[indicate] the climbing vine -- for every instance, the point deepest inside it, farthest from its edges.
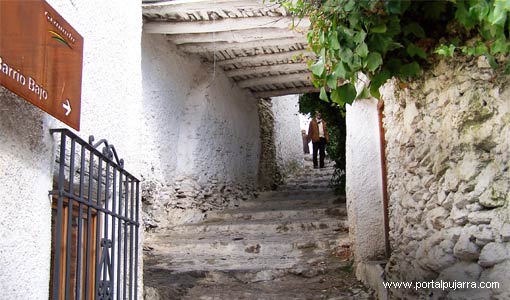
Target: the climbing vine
(382, 39)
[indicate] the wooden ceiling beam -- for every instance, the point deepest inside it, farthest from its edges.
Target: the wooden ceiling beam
(162, 27)
(284, 92)
(203, 10)
(281, 68)
(234, 36)
(279, 79)
(265, 59)
(260, 45)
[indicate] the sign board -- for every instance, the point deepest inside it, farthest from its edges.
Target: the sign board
(41, 58)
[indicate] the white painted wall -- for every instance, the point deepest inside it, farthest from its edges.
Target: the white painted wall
(111, 108)
(288, 141)
(363, 180)
(199, 123)
(25, 170)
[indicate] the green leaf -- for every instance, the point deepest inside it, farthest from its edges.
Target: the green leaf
(394, 6)
(318, 68)
(346, 55)
(323, 95)
(480, 49)
(322, 52)
(335, 97)
(347, 93)
(381, 28)
(498, 13)
(500, 46)
(462, 15)
(359, 37)
(415, 29)
(340, 70)
(332, 80)
(492, 61)
(362, 50)
(377, 81)
(504, 4)
(479, 10)
(409, 70)
(364, 93)
(380, 43)
(373, 61)
(445, 50)
(333, 41)
(414, 50)
(349, 6)
(321, 37)
(356, 63)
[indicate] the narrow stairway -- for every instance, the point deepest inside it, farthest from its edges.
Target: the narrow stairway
(288, 244)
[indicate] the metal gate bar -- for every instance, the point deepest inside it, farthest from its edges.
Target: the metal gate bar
(95, 241)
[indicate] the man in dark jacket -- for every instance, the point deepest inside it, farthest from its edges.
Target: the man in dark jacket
(318, 133)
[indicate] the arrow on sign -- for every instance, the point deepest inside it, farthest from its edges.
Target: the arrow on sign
(67, 107)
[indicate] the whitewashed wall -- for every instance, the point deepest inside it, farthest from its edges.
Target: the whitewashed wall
(364, 181)
(288, 141)
(111, 108)
(198, 122)
(201, 138)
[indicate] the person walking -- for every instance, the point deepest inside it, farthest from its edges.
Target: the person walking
(318, 133)
(306, 140)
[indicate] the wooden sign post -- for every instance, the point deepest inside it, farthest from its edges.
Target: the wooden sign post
(41, 58)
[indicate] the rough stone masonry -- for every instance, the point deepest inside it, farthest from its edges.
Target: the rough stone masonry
(448, 159)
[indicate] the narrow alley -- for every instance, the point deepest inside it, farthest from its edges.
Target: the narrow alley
(291, 243)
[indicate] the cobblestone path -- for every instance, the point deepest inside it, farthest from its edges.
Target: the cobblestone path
(288, 244)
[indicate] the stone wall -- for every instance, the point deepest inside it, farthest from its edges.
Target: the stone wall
(288, 141)
(448, 153)
(201, 137)
(269, 173)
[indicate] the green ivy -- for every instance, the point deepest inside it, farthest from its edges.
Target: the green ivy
(382, 39)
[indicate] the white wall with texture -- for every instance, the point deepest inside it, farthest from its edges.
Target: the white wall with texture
(111, 106)
(199, 123)
(288, 141)
(364, 181)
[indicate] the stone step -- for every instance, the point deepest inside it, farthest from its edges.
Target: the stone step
(305, 186)
(307, 180)
(254, 226)
(248, 256)
(277, 211)
(313, 175)
(296, 195)
(185, 263)
(274, 243)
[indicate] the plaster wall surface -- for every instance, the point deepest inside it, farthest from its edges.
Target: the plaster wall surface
(25, 168)
(199, 123)
(201, 139)
(363, 181)
(288, 141)
(111, 106)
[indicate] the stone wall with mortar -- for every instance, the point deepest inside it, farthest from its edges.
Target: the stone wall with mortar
(269, 172)
(202, 142)
(111, 106)
(448, 158)
(288, 141)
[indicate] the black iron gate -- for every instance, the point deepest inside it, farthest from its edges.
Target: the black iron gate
(95, 222)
